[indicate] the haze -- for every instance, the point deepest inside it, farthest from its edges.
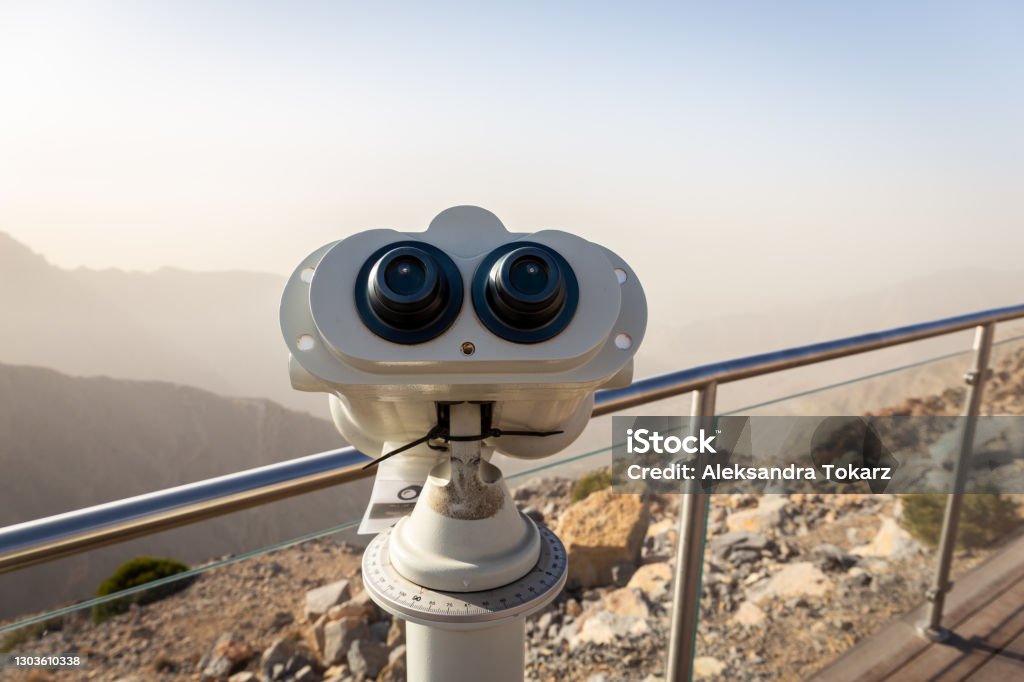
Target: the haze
(737, 154)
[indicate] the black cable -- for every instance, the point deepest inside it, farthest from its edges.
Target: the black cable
(440, 431)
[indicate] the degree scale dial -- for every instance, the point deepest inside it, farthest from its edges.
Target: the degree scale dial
(464, 610)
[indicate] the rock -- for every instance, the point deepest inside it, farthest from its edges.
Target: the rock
(307, 674)
(318, 632)
(535, 514)
(707, 666)
(832, 558)
(800, 579)
(766, 516)
(367, 658)
(738, 546)
(285, 657)
(652, 580)
(891, 543)
(360, 606)
(338, 638)
(573, 608)
(395, 670)
(379, 631)
(321, 599)
(245, 676)
(622, 571)
(749, 614)
(336, 673)
(228, 654)
(663, 528)
(396, 633)
(281, 619)
(599, 532)
(605, 627)
(627, 602)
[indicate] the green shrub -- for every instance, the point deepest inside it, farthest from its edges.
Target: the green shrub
(139, 571)
(985, 518)
(591, 483)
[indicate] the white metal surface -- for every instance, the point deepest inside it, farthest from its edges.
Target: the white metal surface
(384, 391)
(494, 654)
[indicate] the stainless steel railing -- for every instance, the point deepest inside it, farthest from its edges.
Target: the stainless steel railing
(27, 544)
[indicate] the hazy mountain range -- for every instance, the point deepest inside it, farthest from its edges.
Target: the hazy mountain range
(68, 442)
(217, 331)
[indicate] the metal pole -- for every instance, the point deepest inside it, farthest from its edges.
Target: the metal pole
(693, 521)
(975, 379)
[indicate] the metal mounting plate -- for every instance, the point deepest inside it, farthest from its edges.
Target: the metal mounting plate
(464, 610)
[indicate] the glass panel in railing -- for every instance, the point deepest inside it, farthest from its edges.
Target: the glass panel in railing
(272, 612)
(794, 582)
(46, 586)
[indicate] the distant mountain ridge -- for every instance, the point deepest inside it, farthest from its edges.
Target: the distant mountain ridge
(68, 442)
(217, 331)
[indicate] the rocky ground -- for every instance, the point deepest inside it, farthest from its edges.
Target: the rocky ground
(790, 582)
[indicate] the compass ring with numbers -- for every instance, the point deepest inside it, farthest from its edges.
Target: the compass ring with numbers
(418, 604)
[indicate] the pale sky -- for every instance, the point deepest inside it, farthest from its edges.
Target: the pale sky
(766, 151)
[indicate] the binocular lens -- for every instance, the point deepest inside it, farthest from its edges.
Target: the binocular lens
(529, 274)
(525, 292)
(526, 288)
(406, 275)
(409, 293)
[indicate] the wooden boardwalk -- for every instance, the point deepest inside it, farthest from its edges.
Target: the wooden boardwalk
(985, 612)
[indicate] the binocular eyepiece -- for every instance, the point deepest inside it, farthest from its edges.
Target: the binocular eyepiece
(411, 292)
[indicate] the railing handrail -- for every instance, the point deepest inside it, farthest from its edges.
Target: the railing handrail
(34, 542)
(686, 380)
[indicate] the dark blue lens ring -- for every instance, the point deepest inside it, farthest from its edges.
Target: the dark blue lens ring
(409, 292)
(525, 292)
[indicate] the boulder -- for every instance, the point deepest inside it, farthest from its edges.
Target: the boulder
(367, 658)
(395, 670)
(320, 600)
(338, 638)
(800, 579)
(829, 557)
(605, 627)
(360, 606)
(627, 602)
(396, 633)
(599, 532)
(766, 516)
(652, 580)
(738, 546)
(891, 543)
(285, 658)
(306, 674)
(706, 666)
(749, 614)
(228, 654)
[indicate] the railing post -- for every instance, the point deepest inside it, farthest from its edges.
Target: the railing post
(693, 521)
(932, 629)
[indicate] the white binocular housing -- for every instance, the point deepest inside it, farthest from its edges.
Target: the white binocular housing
(391, 323)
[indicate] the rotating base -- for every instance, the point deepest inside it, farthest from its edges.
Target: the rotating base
(464, 610)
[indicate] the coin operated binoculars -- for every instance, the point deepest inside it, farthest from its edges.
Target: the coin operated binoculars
(438, 349)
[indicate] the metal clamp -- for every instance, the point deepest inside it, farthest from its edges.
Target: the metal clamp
(976, 377)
